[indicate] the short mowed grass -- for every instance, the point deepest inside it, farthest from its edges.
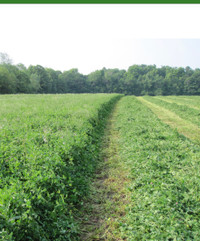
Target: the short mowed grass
(184, 110)
(164, 171)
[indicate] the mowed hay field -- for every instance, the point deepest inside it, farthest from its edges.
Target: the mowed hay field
(164, 169)
(51, 145)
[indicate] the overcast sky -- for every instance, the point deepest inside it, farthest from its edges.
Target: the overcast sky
(90, 37)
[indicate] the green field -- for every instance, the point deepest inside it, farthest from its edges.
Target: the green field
(190, 112)
(49, 148)
(52, 163)
(164, 173)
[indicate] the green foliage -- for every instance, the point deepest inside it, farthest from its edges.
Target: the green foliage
(54, 77)
(137, 80)
(22, 82)
(34, 83)
(7, 81)
(73, 82)
(192, 83)
(97, 81)
(165, 184)
(45, 83)
(49, 147)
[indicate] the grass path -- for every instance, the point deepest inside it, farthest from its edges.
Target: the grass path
(110, 196)
(184, 127)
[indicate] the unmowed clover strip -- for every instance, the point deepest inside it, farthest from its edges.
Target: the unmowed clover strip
(49, 147)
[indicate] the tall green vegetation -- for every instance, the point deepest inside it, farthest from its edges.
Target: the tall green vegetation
(137, 80)
(49, 147)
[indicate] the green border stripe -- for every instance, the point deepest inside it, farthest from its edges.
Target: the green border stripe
(100, 1)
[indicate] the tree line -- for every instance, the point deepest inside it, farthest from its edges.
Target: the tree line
(137, 80)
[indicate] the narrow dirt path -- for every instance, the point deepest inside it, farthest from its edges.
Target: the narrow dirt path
(183, 126)
(110, 195)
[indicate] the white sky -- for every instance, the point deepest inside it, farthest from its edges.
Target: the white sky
(90, 37)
